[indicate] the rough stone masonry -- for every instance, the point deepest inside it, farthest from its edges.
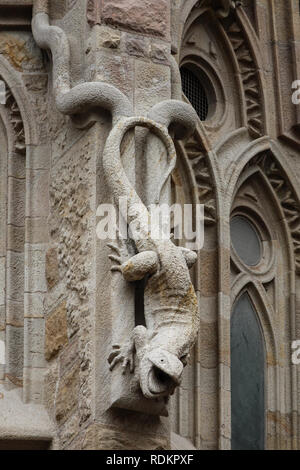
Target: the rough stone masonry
(131, 345)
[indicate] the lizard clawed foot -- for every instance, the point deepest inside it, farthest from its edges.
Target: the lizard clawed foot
(125, 355)
(116, 267)
(116, 258)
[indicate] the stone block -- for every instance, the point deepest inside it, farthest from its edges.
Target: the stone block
(34, 342)
(67, 394)
(136, 46)
(16, 201)
(104, 36)
(101, 437)
(69, 430)
(2, 280)
(36, 229)
(35, 277)
(69, 356)
(209, 344)
(15, 313)
(14, 353)
(152, 84)
(52, 271)
(114, 68)
(2, 318)
(209, 272)
(56, 331)
(33, 383)
(93, 12)
(149, 16)
(50, 386)
(16, 166)
(15, 276)
(160, 52)
(15, 238)
(38, 157)
(37, 192)
(34, 305)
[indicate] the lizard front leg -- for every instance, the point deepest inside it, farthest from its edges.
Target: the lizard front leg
(139, 265)
(126, 353)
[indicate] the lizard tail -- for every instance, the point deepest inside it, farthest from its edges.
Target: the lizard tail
(116, 178)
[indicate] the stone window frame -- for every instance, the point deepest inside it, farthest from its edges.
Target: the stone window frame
(25, 419)
(254, 280)
(254, 299)
(13, 238)
(212, 84)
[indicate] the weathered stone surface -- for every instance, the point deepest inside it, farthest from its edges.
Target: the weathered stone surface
(34, 342)
(138, 47)
(104, 36)
(52, 271)
(56, 331)
(93, 12)
(149, 16)
(59, 8)
(67, 394)
(21, 51)
(131, 51)
(69, 356)
(160, 52)
(209, 273)
(101, 437)
(50, 383)
(69, 430)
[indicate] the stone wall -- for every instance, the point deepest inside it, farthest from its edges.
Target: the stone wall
(58, 333)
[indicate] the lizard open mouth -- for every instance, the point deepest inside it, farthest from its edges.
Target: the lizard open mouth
(160, 373)
(160, 383)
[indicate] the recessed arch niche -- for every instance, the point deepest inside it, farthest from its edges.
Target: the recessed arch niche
(260, 295)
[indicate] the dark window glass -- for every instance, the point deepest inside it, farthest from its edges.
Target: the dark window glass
(247, 378)
(245, 240)
(195, 92)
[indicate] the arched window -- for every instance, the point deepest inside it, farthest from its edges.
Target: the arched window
(195, 92)
(247, 377)
(260, 318)
(12, 243)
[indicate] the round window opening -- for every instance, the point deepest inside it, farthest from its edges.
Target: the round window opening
(195, 92)
(245, 240)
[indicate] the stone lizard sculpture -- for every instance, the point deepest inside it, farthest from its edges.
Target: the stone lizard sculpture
(159, 352)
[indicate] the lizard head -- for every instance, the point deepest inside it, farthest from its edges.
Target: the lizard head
(160, 373)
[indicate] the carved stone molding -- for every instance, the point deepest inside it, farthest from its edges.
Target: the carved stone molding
(198, 159)
(250, 78)
(286, 196)
(16, 121)
(15, 14)
(221, 7)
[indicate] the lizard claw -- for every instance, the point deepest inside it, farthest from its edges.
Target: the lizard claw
(124, 355)
(114, 248)
(116, 267)
(128, 361)
(117, 259)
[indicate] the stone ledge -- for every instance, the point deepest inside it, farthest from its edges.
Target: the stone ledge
(181, 443)
(23, 422)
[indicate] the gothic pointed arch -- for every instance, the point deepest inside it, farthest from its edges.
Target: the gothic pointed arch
(267, 280)
(248, 359)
